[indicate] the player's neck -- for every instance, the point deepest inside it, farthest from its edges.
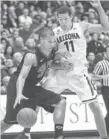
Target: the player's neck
(32, 50)
(68, 28)
(106, 56)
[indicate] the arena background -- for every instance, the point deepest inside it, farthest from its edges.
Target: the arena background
(79, 121)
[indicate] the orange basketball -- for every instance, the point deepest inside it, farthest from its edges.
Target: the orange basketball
(26, 117)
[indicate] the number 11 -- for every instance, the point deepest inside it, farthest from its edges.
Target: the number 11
(68, 44)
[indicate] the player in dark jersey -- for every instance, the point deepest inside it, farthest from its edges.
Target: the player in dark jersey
(23, 90)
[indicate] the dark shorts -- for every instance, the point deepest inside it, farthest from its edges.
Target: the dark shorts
(37, 95)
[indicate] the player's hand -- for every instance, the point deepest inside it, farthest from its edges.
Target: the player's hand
(67, 55)
(95, 3)
(68, 66)
(18, 100)
(64, 54)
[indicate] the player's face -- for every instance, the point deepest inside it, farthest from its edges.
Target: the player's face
(65, 21)
(47, 45)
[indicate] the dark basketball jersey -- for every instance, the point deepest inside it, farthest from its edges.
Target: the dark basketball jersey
(36, 73)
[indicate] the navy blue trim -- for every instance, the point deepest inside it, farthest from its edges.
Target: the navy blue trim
(90, 85)
(90, 99)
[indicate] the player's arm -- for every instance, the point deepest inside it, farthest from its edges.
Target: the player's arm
(57, 66)
(60, 60)
(28, 62)
(39, 27)
(99, 77)
(96, 75)
(104, 26)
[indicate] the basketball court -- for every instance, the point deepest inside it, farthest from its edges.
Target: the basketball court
(50, 136)
(79, 122)
(65, 138)
(38, 137)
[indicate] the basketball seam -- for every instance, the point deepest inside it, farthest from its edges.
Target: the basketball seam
(28, 116)
(23, 119)
(32, 116)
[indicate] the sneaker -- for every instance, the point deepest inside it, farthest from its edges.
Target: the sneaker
(22, 136)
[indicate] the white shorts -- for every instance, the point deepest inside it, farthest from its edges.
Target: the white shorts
(80, 84)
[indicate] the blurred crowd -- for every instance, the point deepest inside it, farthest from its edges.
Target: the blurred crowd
(23, 19)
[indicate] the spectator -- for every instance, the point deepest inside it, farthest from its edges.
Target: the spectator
(9, 52)
(38, 23)
(91, 16)
(19, 9)
(4, 22)
(76, 19)
(49, 24)
(19, 45)
(94, 21)
(14, 35)
(4, 10)
(12, 18)
(94, 45)
(98, 57)
(32, 11)
(25, 18)
(12, 70)
(26, 31)
(2, 56)
(5, 84)
(17, 57)
(54, 25)
(88, 38)
(4, 42)
(1, 28)
(84, 17)
(4, 34)
(91, 58)
(49, 12)
(7, 65)
(79, 10)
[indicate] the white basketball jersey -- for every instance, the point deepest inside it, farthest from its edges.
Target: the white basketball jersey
(73, 41)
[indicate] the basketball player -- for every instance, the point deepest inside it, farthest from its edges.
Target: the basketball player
(70, 37)
(23, 91)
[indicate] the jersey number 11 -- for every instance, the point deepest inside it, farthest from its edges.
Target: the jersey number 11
(69, 44)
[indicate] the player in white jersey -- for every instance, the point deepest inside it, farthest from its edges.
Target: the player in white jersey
(70, 37)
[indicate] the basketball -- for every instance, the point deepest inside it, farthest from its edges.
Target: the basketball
(59, 56)
(26, 117)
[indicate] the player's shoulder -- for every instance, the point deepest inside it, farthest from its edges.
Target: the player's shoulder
(78, 24)
(29, 57)
(83, 25)
(57, 30)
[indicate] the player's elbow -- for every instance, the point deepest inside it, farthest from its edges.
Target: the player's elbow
(21, 79)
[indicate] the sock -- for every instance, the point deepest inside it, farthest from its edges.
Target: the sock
(58, 130)
(26, 130)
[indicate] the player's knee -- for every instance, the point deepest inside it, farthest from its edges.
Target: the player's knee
(63, 102)
(95, 107)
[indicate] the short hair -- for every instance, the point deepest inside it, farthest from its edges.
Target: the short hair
(63, 10)
(28, 40)
(45, 32)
